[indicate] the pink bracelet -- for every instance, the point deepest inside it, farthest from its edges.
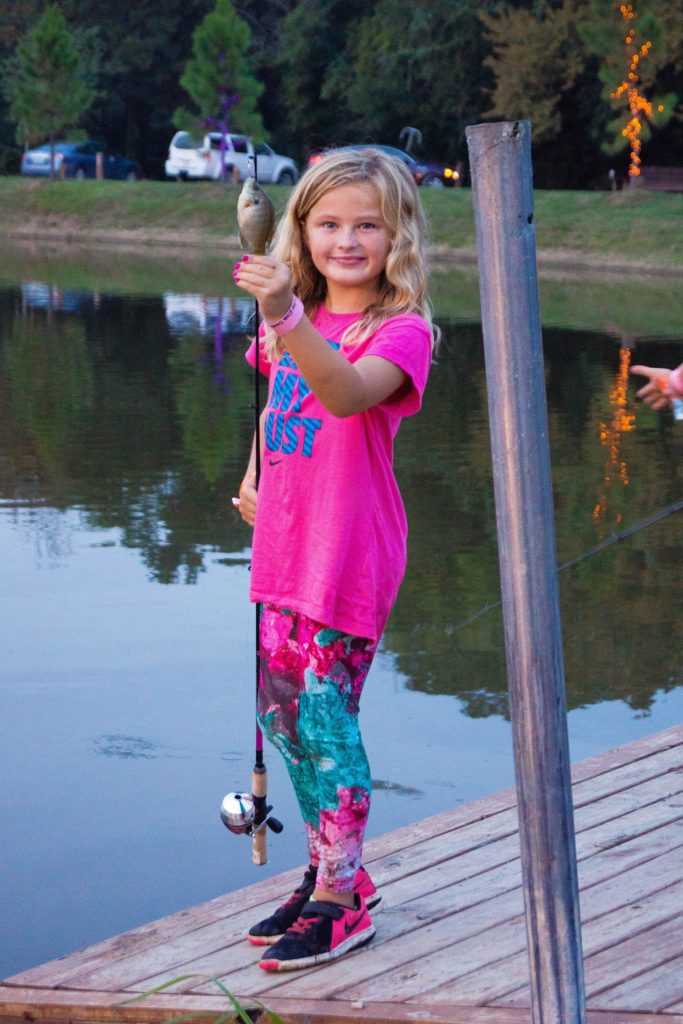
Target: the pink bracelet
(675, 382)
(291, 318)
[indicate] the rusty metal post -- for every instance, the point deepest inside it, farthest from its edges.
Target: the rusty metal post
(500, 165)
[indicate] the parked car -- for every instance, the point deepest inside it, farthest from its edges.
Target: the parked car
(79, 160)
(189, 159)
(428, 174)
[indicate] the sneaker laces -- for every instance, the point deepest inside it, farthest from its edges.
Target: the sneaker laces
(303, 924)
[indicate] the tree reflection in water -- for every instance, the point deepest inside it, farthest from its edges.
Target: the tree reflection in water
(145, 430)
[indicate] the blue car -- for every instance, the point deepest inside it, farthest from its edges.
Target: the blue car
(78, 160)
(429, 175)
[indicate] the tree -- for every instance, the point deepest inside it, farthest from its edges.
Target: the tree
(536, 59)
(217, 71)
(638, 53)
(566, 66)
(414, 64)
(313, 36)
(47, 81)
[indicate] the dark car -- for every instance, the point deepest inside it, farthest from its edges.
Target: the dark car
(427, 174)
(78, 160)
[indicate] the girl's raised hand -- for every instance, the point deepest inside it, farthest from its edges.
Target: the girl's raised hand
(268, 280)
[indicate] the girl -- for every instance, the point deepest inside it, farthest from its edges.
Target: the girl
(346, 344)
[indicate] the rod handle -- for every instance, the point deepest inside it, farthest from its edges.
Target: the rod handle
(259, 781)
(259, 850)
(259, 788)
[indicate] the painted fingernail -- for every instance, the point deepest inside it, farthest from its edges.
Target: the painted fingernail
(237, 266)
(245, 257)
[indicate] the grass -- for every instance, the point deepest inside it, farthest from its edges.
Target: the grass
(638, 229)
(193, 226)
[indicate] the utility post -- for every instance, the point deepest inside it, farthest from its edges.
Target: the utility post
(500, 166)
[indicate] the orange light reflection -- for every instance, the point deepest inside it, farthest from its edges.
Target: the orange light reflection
(623, 422)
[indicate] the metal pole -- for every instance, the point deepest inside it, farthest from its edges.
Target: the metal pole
(500, 163)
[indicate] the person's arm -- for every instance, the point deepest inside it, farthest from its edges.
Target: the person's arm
(248, 494)
(343, 388)
(662, 385)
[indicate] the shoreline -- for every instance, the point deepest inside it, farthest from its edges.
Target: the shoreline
(443, 257)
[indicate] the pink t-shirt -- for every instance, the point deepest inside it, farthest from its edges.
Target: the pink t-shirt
(330, 533)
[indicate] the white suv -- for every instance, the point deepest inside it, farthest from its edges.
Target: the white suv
(189, 159)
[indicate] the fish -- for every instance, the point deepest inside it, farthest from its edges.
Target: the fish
(255, 217)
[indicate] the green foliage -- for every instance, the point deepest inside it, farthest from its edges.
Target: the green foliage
(414, 65)
(537, 58)
(47, 80)
(652, 25)
(219, 69)
(324, 72)
(558, 64)
(313, 36)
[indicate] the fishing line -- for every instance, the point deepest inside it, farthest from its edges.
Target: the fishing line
(641, 524)
(243, 813)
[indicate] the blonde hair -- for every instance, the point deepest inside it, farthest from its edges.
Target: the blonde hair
(403, 282)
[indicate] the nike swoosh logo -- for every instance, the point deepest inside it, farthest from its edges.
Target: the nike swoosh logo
(274, 462)
(350, 925)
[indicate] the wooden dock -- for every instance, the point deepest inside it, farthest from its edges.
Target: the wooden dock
(450, 943)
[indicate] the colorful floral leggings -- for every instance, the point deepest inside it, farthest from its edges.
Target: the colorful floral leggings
(311, 681)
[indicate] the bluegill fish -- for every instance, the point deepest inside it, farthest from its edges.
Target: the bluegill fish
(255, 217)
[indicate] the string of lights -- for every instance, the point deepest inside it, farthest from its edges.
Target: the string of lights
(638, 105)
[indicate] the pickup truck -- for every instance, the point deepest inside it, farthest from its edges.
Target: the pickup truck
(190, 159)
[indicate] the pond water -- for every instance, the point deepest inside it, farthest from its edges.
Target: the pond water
(126, 633)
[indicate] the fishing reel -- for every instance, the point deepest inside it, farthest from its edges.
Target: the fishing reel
(245, 814)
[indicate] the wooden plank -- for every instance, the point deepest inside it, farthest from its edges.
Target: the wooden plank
(616, 852)
(473, 846)
(21, 1005)
(494, 980)
(402, 938)
(507, 940)
(59, 971)
(505, 974)
(204, 948)
(603, 939)
(652, 990)
(649, 948)
(271, 891)
(624, 776)
(400, 840)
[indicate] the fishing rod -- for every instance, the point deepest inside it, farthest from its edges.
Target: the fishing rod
(614, 538)
(242, 813)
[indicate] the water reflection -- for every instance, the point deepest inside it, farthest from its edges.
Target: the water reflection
(125, 424)
(623, 421)
(137, 412)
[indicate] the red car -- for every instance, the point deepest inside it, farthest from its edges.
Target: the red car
(427, 174)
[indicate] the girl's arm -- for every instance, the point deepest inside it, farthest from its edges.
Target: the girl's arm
(344, 388)
(248, 493)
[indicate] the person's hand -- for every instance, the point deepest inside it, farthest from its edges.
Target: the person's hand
(248, 498)
(269, 281)
(655, 392)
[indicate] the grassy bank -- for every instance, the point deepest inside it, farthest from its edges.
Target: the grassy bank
(574, 229)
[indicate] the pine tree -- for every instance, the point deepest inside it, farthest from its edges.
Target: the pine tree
(46, 81)
(217, 77)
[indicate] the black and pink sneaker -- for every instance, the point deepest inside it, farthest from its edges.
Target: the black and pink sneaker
(323, 932)
(272, 928)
